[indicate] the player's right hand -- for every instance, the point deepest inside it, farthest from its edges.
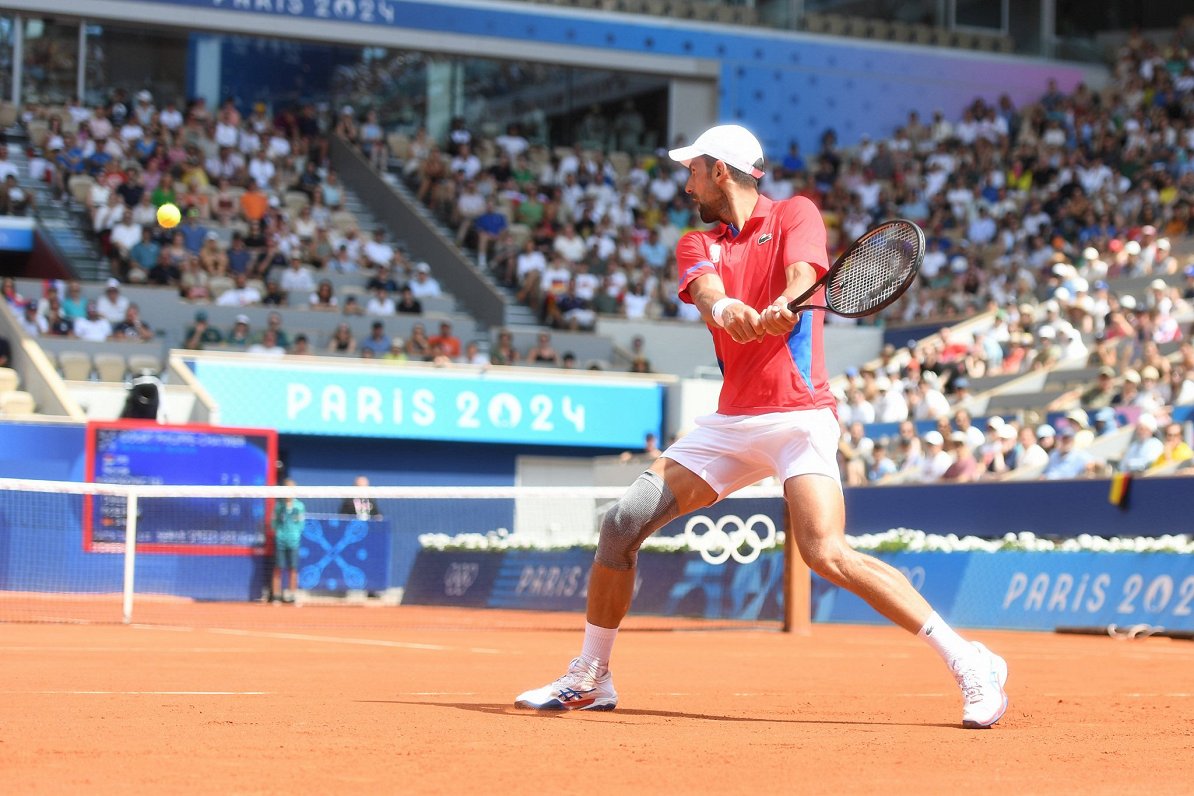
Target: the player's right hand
(743, 323)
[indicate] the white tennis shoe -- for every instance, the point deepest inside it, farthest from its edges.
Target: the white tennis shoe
(981, 678)
(584, 687)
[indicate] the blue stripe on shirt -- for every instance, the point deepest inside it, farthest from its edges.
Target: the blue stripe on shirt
(800, 346)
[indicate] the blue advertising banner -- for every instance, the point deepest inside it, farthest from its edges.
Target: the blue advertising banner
(340, 553)
(16, 234)
(1023, 591)
(393, 401)
(1051, 590)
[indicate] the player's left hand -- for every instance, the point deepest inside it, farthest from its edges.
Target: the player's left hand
(777, 318)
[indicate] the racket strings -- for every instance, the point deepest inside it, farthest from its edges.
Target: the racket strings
(877, 269)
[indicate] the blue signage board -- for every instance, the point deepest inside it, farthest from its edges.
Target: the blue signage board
(468, 406)
(16, 234)
(1023, 591)
(340, 553)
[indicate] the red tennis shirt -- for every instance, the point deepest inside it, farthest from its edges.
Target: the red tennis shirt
(778, 373)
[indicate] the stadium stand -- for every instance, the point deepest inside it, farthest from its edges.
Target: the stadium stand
(1060, 235)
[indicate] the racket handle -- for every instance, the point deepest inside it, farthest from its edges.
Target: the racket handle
(795, 303)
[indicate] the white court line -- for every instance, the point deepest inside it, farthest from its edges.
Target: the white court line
(130, 650)
(142, 693)
(364, 642)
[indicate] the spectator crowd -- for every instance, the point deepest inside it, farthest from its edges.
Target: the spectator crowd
(1033, 215)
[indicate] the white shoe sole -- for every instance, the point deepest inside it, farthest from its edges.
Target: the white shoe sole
(603, 703)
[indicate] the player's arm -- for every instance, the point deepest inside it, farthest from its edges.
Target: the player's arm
(739, 319)
(803, 238)
(701, 285)
(777, 318)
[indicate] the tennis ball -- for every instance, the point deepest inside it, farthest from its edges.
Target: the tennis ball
(169, 215)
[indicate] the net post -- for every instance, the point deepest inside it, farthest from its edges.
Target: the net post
(130, 554)
(797, 584)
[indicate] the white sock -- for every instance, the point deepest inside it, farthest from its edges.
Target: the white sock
(599, 644)
(943, 638)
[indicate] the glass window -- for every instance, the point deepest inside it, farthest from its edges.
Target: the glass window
(6, 35)
(51, 61)
(986, 14)
(132, 60)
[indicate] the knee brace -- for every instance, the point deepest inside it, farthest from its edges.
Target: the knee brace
(646, 507)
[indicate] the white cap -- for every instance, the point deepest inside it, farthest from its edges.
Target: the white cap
(114, 282)
(731, 143)
(1007, 431)
(934, 438)
(1157, 284)
(1090, 253)
(1132, 248)
(243, 319)
(1147, 421)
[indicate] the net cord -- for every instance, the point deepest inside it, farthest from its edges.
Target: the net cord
(379, 492)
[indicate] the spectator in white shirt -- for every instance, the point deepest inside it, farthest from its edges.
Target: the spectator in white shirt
(569, 245)
(377, 251)
(424, 284)
(297, 276)
(466, 163)
(170, 117)
(380, 303)
(935, 461)
(268, 346)
(112, 305)
(93, 326)
(7, 167)
(125, 235)
(261, 169)
(34, 324)
(933, 404)
(240, 295)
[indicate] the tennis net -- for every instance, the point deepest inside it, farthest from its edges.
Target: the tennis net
(81, 552)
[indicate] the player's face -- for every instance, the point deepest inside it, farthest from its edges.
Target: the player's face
(703, 188)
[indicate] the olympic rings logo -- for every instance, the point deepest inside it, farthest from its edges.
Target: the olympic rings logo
(719, 541)
(459, 577)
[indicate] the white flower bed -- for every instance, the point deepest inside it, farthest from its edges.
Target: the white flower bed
(894, 540)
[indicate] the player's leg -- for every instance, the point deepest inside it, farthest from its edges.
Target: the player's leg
(817, 514)
(665, 491)
(275, 593)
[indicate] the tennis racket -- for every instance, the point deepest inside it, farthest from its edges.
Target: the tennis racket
(872, 273)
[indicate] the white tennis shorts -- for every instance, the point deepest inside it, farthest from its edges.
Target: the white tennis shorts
(732, 451)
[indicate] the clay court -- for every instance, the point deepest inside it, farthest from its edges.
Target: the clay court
(268, 699)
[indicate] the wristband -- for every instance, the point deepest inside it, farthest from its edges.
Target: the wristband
(719, 308)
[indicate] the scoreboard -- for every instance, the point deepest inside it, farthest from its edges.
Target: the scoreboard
(141, 452)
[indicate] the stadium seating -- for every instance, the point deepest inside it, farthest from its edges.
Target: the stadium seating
(110, 366)
(17, 403)
(74, 365)
(9, 380)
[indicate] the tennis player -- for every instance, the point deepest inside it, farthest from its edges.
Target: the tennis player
(775, 417)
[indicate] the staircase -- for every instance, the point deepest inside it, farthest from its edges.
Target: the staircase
(517, 313)
(63, 221)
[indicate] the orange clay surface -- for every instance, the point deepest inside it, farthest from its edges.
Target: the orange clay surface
(255, 699)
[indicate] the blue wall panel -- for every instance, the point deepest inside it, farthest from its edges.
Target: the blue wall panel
(786, 86)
